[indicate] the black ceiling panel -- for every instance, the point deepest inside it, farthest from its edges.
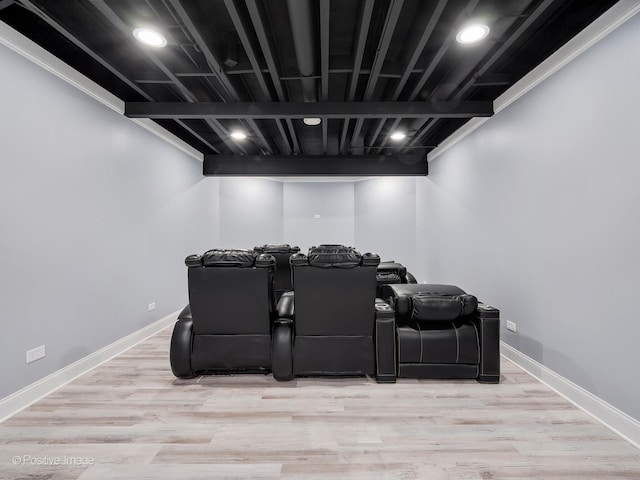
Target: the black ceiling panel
(364, 52)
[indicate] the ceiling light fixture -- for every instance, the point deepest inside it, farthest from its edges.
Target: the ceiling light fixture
(238, 135)
(397, 136)
(472, 33)
(150, 37)
(312, 121)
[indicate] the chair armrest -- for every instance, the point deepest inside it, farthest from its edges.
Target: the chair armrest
(385, 342)
(285, 308)
(185, 313)
(487, 320)
(180, 349)
(282, 349)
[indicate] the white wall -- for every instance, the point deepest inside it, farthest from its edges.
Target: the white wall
(537, 213)
(250, 212)
(385, 218)
(97, 216)
(332, 201)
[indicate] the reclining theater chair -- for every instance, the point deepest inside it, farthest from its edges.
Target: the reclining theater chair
(442, 332)
(327, 323)
(227, 325)
(282, 253)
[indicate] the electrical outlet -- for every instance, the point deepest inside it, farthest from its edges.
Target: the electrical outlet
(152, 306)
(316, 215)
(35, 354)
(511, 326)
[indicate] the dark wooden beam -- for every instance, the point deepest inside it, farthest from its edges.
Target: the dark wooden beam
(289, 110)
(310, 165)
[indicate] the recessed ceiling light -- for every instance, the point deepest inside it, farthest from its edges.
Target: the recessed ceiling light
(397, 136)
(472, 33)
(149, 37)
(238, 135)
(312, 121)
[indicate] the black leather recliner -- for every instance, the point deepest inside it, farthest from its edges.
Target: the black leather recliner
(442, 332)
(392, 273)
(227, 325)
(327, 325)
(282, 253)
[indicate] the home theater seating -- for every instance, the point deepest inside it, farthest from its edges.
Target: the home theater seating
(330, 312)
(330, 315)
(282, 253)
(226, 327)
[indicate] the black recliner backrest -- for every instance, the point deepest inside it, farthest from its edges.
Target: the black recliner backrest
(390, 273)
(282, 253)
(335, 291)
(231, 292)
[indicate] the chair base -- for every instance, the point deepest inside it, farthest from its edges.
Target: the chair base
(386, 378)
(437, 370)
(488, 379)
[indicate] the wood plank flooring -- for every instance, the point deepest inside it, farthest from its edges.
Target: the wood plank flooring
(130, 418)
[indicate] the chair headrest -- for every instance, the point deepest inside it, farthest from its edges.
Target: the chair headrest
(231, 258)
(334, 256)
(428, 307)
(392, 267)
(276, 248)
(430, 302)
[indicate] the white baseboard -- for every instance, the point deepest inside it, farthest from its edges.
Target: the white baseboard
(30, 394)
(619, 422)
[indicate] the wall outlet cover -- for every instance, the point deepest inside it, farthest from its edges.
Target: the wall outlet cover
(36, 354)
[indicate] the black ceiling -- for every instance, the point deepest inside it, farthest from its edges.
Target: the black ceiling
(366, 67)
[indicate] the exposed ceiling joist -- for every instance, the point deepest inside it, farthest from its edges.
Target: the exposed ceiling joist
(365, 68)
(267, 45)
(360, 43)
(393, 15)
(417, 45)
(110, 15)
(230, 93)
(423, 128)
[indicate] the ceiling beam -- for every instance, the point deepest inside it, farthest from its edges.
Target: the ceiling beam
(288, 110)
(46, 17)
(266, 44)
(360, 43)
(310, 165)
(435, 61)
(126, 30)
(393, 14)
(255, 64)
(325, 9)
(428, 125)
(416, 46)
(215, 66)
(444, 46)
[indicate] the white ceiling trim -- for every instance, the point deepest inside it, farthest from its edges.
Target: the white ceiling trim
(38, 55)
(600, 28)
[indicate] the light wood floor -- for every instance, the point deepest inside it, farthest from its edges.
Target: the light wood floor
(133, 419)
